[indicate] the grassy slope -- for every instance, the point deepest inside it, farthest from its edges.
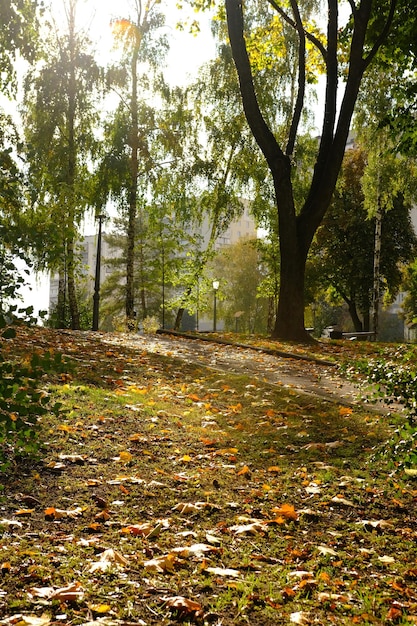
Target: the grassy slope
(168, 492)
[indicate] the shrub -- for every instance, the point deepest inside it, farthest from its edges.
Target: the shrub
(23, 401)
(396, 383)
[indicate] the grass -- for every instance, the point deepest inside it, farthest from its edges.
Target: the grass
(173, 493)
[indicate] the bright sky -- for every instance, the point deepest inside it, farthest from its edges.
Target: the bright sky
(187, 52)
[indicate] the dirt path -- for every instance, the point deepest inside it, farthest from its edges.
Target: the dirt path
(308, 377)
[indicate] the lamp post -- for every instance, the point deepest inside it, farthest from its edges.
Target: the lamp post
(96, 297)
(216, 285)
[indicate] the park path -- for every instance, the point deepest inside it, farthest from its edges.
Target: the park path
(302, 376)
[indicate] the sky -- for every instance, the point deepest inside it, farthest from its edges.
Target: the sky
(187, 53)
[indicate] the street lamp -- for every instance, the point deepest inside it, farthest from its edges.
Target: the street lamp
(96, 297)
(216, 285)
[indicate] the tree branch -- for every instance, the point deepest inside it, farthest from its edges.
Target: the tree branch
(260, 129)
(301, 80)
(314, 40)
(383, 35)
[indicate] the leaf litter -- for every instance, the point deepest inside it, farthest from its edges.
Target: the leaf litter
(158, 500)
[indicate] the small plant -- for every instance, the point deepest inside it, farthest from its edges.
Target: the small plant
(150, 325)
(22, 400)
(396, 384)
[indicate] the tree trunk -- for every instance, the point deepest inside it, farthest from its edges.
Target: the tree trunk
(61, 303)
(354, 316)
(72, 292)
(133, 193)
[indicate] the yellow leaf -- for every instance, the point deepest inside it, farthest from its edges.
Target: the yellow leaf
(274, 469)
(244, 471)
(186, 458)
(99, 608)
(125, 457)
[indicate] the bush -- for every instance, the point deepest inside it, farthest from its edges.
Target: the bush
(395, 383)
(22, 400)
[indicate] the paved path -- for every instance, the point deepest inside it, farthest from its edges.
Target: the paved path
(307, 377)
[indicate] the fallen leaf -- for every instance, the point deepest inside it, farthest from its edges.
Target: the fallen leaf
(248, 529)
(300, 617)
(343, 501)
(26, 620)
(161, 564)
(108, 559)
(386, 559)
(52, 513)
(219, 571)
(188, 507)
(286, 511)
(197, 549)
(325, 550)
(184, 606)
(71, 593)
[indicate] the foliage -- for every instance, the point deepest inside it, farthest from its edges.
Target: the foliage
(343, 253)
(409, 285)
(18, 37)
(60, 116)
(266, 24)
(239, 272)
(396, 384)
(23, 400)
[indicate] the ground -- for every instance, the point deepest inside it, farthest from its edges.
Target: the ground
(199, 483)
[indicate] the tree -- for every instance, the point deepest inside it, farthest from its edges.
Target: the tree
(238, 267)
(19, 33)
(347, 51)
(140, 44)
(343, 250)
(60, 115)
(409, 304)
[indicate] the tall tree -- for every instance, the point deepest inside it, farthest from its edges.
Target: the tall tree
(141, 43)
(60, 115)
(345, 50)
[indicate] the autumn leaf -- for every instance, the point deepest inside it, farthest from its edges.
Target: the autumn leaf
(274, 469)
(196, 549)
(345, 410)
(245, 471)
(253, 528)
(161, 564)
(24, 512)
(124, 457)
(51, 513)
(108, 559)
(227, 572)
(71, 593)
(184, 606)
(99, 609)
(187, 507)
(286, 511)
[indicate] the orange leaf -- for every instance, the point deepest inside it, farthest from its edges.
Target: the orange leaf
(286, 511)
(345, 410)
(244, 471)
(275, 469)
